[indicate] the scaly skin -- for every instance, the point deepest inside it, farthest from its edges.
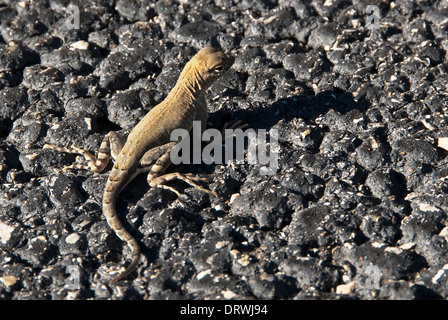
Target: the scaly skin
(183, 105)
(148, 145)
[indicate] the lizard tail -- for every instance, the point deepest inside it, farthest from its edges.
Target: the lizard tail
(114, 222)
(134, 262)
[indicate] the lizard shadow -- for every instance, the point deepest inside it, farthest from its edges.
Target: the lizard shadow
(334, 104)
(305, 106)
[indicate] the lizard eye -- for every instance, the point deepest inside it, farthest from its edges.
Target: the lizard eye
(218, 69)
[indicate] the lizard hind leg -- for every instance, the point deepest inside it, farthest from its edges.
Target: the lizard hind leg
(156, 178)
(191, 180)
(110, 147)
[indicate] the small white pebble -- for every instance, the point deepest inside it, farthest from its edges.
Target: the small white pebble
(233, 197)
(345, 288)
(72, 238)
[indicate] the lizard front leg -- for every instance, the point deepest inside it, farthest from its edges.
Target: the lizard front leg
(158, 159)
(110, 147)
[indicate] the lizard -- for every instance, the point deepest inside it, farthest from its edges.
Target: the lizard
(147, 148)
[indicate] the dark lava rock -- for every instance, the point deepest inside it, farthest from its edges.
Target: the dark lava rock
(305, 66)
(134, 10)
(371, 154)
(425, 221)
(114, 76)
(37, 251)
(384, 183)
(37, 77)
(272, 213)
(273, 287)
(73, 243)
(355, 210)
(197, 33)
(402, 290)
(414, 150)
(381, 225)
(323, 36)
(391, 264)
(310, 273)
(15, 57)
(305, 226)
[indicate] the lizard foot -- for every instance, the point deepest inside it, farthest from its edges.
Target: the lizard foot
(91, 159)
(109, 148)
(159, 182)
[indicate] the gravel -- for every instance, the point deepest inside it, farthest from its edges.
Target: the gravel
(356, 210)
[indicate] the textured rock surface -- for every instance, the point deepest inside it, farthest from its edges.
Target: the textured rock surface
(357, 209)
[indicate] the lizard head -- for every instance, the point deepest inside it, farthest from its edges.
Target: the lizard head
(210, 64)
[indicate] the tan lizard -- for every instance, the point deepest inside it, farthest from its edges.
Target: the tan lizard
(148, 145)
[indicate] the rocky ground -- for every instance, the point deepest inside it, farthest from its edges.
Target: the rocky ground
(356, 210)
